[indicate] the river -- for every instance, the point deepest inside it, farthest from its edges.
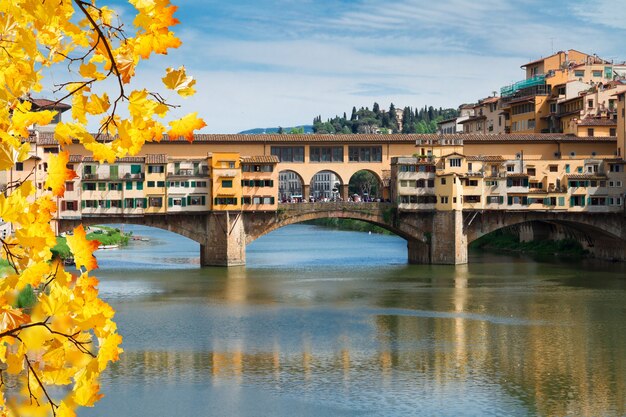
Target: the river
(335, 323)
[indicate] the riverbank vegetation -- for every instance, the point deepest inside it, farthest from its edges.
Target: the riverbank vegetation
(103, 234)
(349, 224)
(505, 241)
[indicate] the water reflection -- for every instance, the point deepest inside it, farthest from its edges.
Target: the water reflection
(500, 336)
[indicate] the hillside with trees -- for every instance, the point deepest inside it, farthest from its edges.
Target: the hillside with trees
(393, 120)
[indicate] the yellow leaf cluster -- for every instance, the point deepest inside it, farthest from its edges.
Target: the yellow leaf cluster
(67, 336)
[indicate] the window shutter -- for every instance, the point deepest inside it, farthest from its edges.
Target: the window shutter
(129, 185)
(82, 204)
(203, 199)
(509, 182)
(183, 202)
(500, 200)
(189, 200)
(108, 204)
(170, 202)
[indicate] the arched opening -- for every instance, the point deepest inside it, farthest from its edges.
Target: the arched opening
(290, 186)
(326, 186)
(365, 185)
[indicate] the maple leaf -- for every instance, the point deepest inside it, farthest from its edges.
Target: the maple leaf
(58, 173)
(12, 318)
(83, 249)
(179, 81)
(185, 127)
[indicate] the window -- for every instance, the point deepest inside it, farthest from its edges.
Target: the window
(102, 186)
(590, 131)
(150, 184)
(227, 183)
(19, 166)
(114, 171)
(579, 73)
(444, 200)
(523, 108)
(69, 186)
(156, 169)
(196, 200)
(115, 186)
(223, 201)
(89, 186)
(288, 153)
(135, 169)
(160, 184)
(116, 204)
(455, 162)
(531, 171)
(155, 202)
(129, 185)
(365, 153)
(140, 186)
(443, 181)
(596, 73)
(554, 168)
(510, 168)
(612, 132)
(326, 154)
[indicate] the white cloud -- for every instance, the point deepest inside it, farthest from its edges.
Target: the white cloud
(608, 13)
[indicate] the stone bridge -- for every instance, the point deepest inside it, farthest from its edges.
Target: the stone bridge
(433, 237)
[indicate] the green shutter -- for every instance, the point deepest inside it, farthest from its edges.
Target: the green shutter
(561, 201)
(525, 182)
(203, 199)
(509, 182)
(272, 200)
(500, 200)
(271, 183)
(571, 201)
(140, 186)
(189, 200)
(82, 204)
(183, 202)
(170, 202)
(193, 184)
(108, 204)
(129, 185)
(135, 169)
(145, 202)
(509, 201)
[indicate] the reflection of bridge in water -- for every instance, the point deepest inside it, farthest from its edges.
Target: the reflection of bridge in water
(433, 237)
(430, 343)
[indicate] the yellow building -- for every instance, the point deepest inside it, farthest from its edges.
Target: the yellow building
(155, 186)
(259, 180)
(226, 188)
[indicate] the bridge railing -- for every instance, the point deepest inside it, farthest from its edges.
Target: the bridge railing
(334, 206)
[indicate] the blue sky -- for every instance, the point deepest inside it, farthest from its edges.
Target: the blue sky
(263, 63)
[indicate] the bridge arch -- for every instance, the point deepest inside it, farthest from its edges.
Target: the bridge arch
(184, 225)
(366, 183)
(604, 236)
(290, 184)
(326, 184)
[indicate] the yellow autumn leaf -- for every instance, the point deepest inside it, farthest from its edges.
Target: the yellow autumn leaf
(98, 104)
(58, 173)
(12, 318)
(179, 81)
(185, 127)
(83, 249)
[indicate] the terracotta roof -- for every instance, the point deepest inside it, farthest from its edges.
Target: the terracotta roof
(262, 159)
(368, 138)
(447, 120)
(597, 122)
(514, 138)
(128, 159)
(529, 99)
(156, 159)
(586, 177)
(489, 100)
(75, 158)
(45, 104)
(473, 118)
(517, 175)
(486, 158)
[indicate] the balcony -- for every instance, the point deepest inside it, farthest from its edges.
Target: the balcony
(510, 90)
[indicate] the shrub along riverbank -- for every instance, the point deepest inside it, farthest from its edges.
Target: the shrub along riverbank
(104, 235)
(503, 241)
